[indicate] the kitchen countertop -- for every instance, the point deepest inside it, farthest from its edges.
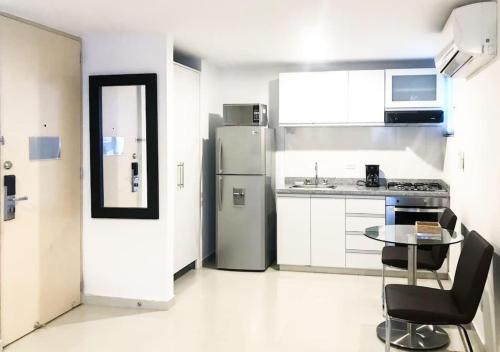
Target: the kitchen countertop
(347, 186)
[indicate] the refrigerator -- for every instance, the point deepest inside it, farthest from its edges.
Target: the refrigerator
(246, 214)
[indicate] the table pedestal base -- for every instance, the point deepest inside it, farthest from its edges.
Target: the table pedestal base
(414, 337)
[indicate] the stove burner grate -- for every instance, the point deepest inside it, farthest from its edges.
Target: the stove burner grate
(417, 186)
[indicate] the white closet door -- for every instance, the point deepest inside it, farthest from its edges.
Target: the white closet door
(187, 151)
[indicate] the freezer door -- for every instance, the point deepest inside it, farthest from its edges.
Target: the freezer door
(241, 223)
(241, 150)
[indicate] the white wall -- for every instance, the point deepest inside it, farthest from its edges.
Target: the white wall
(129, 258)
(415, 152)
(475, 191)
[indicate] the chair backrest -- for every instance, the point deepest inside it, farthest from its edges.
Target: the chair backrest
(447, 221)
(471, 274)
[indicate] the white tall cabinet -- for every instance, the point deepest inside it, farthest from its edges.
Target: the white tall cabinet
(187, 153)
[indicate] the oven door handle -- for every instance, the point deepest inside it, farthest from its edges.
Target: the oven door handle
(419, 210)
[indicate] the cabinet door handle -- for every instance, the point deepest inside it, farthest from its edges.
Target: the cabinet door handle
(419, 210)
(180, 175)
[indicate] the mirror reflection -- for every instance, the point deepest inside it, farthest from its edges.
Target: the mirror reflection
(124, 146)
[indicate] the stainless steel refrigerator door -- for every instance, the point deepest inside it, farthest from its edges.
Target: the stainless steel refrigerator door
(241, 222)
(241, 150)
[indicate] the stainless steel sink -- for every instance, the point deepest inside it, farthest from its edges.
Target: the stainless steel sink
(314, 186)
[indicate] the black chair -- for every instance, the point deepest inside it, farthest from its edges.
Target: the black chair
(458, 306)
(428, 257)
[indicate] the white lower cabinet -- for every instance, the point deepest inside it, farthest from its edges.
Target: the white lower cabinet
(361, 251)
(363, 260)
(360, 223)
(327, 232)
(359, 242)
(294, 230)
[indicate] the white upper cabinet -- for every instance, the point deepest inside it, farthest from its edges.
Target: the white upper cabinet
(307, 98)
(366, 97)
(413, 88)
(355, 97)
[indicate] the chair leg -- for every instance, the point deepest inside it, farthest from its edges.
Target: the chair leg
(469, 345)
(387, 331)
(437, 279)
(383, 288)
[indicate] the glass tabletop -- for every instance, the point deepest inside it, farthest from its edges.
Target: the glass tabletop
(407, 235)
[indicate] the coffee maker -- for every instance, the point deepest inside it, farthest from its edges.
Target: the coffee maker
(372, 176)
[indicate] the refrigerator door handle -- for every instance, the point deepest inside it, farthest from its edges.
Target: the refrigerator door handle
(220, 155)
(220, 193)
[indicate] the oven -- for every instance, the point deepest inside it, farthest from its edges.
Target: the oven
(406, 210)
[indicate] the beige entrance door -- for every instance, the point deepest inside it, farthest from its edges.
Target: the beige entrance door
(40, 96)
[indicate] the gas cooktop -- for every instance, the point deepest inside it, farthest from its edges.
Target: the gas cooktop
(417, 186)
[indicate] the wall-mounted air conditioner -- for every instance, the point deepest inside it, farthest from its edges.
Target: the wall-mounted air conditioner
(470, 35)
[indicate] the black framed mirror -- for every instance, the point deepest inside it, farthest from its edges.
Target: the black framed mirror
(123, 116)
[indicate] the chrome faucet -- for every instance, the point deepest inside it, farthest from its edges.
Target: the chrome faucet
(316, 178)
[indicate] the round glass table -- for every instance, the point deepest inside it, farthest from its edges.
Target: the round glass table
(405, 335)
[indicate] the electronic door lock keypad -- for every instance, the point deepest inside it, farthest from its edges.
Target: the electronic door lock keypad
(9, 205)
(10, 200)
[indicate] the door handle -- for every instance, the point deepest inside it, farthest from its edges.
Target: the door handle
(180, 175)
(220, 192)
(20, 199)
(220, 155)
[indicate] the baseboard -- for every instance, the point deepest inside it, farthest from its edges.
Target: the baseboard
(355, 271)
(185, 270)
(126, 302)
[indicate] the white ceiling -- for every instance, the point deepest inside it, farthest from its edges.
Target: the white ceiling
(231, 32)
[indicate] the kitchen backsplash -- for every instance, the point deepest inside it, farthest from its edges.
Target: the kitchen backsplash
(401, 152)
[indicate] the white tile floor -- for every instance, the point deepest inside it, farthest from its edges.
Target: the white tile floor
(227, 311)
